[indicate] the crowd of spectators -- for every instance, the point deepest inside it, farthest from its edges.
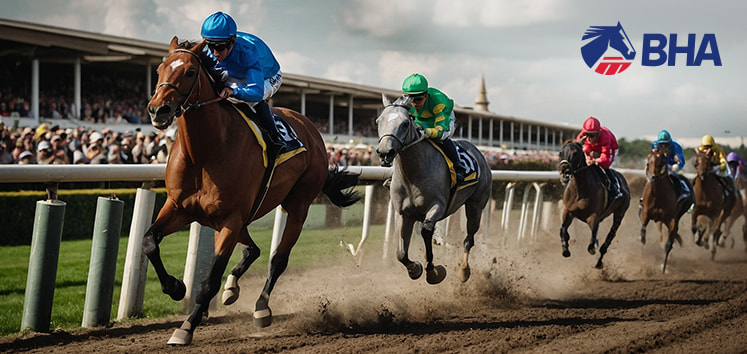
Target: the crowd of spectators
(47, 144)
(106, 96)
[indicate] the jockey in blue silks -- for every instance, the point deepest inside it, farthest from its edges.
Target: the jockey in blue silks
(675, 161)
(253, 72)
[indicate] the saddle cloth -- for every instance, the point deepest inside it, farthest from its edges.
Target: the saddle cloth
(466, 160)
(287, 133)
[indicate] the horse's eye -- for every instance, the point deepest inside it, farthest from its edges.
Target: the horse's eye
(191, 73)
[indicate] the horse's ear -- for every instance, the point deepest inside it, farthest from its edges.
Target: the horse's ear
(385, 100)
(199, 47)
(174, 44)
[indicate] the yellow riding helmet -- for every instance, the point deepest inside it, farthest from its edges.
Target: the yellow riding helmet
(707, 140)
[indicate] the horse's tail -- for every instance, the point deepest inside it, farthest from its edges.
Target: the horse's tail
(338, 187)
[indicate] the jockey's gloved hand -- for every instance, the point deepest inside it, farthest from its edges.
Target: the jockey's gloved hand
(715, 169)
(430, 132)
(590, 160)
(675, 168)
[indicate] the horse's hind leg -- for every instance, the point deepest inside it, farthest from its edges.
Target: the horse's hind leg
(248, 256)
(474, 216)
(278, 264)
(169, 220)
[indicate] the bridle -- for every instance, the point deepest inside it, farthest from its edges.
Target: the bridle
(662, 170)
(570, 169)
(412, 130)
(184, 106)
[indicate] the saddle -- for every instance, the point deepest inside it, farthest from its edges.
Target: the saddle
(466, 160)
(287, 133)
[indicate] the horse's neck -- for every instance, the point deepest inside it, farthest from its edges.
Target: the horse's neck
(204, 132)
(417, 163)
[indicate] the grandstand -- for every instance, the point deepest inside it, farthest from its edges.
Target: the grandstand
(76, 78)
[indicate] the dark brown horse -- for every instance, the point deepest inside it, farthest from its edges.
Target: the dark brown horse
(585, 198)
(712, 205)
(214, 176)
(660, 201)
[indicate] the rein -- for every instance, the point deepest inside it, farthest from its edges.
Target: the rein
(411, 129)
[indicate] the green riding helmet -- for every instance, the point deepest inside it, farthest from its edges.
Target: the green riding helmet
(415, 84)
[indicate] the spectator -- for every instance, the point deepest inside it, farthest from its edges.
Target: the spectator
(26, 158)
(44, 155)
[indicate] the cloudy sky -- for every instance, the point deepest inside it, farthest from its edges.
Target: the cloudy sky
(527, 51)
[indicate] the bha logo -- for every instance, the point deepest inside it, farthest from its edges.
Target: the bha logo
(608, 49)
(600, 40)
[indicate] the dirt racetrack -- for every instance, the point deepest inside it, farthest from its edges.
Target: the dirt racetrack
(522, 297)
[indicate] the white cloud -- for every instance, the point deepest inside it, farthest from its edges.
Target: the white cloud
(380, 18)
(497, 13)
(294, 62)
(691, 95)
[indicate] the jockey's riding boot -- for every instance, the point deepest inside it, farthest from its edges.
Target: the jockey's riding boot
(612, 183)
(451, 153)
(275, 145)
(680, 189)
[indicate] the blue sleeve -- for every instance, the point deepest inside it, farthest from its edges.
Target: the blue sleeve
(254, 88)
(679, 155)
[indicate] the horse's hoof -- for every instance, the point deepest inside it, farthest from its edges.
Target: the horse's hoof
(437, 275)
(643, 240)
(599, 265)
(180, 337)
(414, 270)
(263, 318)
(592, 250)
(566, 253)
(177, 289)
(464, 272)
(230, 296)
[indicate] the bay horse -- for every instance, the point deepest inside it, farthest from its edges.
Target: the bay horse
(586, 198)
(421, 187)
(712, 205)
(212, 177)
(659, 202)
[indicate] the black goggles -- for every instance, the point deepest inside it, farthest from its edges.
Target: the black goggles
(219, 46)
(418, 97)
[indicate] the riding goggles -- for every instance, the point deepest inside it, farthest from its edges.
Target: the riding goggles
(219, 46)
(418, 97)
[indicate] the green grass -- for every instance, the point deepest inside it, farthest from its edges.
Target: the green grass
(316, 246)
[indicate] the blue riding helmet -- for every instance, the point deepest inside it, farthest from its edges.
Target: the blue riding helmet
(218, 26)
(664, 137)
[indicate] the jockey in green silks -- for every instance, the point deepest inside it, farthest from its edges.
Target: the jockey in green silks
(434, 112)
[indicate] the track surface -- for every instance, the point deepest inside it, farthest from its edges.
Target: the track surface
(522, 297)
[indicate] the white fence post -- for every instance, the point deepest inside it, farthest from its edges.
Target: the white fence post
(136, 264)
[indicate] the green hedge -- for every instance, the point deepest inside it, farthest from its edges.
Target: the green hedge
(18, 210)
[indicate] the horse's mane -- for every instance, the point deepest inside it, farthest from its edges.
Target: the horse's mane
(404, 101)
(217, 77)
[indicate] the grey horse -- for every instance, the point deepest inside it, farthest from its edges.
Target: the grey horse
(421, 189)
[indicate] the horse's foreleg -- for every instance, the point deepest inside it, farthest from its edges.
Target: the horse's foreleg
(643, 230)
(593, 222)
(564, 236)
(169, 220)
(616, 221)
(672, 227)
(249, 254)
(414, 269)
(209, 287)
(278, 264)
(433, 274)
